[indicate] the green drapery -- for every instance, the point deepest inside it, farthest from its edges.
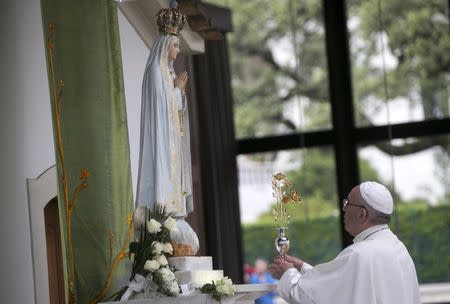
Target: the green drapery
(87, 58)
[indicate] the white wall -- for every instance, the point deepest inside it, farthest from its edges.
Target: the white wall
(26, 132)
(26, 139)
(134, 58)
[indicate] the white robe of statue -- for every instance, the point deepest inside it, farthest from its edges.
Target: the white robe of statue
(165, 158)
(376, 269)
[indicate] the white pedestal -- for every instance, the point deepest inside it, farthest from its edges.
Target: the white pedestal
(245, 294)
(248, 293)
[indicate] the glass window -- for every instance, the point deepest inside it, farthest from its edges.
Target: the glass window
(314, 223)
(408, 42)
(420, 182)
(278, 65)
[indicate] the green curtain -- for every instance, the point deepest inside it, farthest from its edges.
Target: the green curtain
(87, 58)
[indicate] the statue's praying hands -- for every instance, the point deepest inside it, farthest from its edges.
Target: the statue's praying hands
(181, 80)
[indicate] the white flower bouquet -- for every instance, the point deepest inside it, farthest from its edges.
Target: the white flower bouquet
(219, 288)
(148, 255)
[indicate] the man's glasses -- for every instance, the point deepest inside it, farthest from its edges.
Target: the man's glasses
(345, 202)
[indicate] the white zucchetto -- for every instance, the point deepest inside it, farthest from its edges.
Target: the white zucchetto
(377, 196)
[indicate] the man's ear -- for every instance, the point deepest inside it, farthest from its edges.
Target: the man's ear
(364, 216)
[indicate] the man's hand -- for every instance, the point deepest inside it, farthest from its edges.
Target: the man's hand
(295, 261)
(278, 267)
(180, 81)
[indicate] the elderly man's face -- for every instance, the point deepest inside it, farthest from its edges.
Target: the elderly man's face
(354, 212)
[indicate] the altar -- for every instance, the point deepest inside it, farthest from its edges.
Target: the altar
(245, 294)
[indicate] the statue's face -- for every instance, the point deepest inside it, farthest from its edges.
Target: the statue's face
(174, 49)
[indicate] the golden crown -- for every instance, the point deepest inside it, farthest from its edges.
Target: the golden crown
(170, 21)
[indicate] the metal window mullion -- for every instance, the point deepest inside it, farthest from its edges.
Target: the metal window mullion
(340, 88)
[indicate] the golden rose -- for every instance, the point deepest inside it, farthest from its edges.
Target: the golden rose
(295, 196)
(279, 176)
(84, 174)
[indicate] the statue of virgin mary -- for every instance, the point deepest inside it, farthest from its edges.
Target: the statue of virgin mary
(165, 158)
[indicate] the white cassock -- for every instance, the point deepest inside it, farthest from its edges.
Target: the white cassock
(376, 269)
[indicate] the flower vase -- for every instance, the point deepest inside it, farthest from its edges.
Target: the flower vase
(282, 242)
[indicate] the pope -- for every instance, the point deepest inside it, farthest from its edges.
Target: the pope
(376, 268)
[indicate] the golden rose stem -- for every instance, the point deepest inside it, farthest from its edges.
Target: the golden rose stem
(56, 109)
(71, 259)
(58, 124)
(120, 256)
(110, 247)
(281, 205)
(75, 195)
(70, 206)
(279, 212)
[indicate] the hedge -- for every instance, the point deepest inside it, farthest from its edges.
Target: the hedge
(426, 234)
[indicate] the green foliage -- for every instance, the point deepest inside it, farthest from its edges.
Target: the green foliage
(315, 240)
(418, 59)
(266, 84)
(424, 231)
(210, 288)
(263, 64)
(367, 172)
(318, 169)
(315, 179)
(442, 171)
(219, 288)
(263, 53)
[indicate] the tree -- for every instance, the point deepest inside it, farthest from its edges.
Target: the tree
(417, 61)
(315, 179)
(269, 83)
(270, 35)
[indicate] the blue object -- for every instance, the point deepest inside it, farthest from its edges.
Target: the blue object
(265, 279)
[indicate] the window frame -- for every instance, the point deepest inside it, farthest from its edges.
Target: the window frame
(345, 136)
